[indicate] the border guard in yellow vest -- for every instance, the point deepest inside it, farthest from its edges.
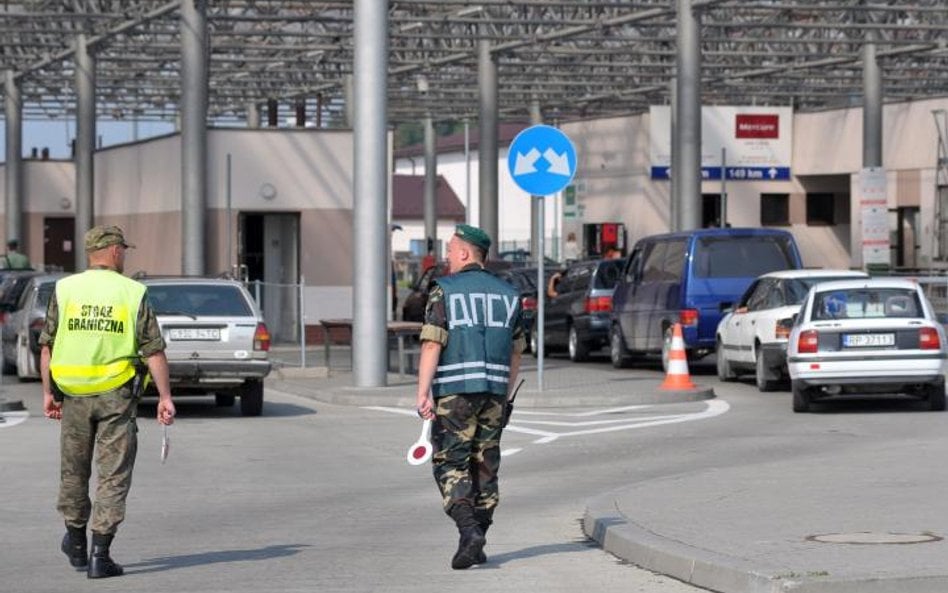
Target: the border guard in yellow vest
(99, 328)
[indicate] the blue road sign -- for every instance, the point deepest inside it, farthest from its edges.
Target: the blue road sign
(733, 173)
(541, 160)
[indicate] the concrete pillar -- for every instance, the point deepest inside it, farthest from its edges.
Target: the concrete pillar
(194, 60)
(431, 189)
(85, 146)
(370, 262)
(300, 106)
(688, 123)
(872, 108)
(536, 117)
(253, 115)
(14, 198)
(487, 153)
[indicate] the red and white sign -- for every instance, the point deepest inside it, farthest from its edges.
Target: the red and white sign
(756, 126)
(873, 207)
(759, 137)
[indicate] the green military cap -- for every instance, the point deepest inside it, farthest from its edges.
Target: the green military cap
(473, 235)
(102, 236)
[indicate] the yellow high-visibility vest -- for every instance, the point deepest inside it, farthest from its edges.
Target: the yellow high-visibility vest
(95, 347)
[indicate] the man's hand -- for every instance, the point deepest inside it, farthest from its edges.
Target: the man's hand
(425, 406)
(166, 411)
(51, 408)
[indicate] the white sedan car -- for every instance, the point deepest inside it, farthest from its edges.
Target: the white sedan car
(753, 337)
(875, 336)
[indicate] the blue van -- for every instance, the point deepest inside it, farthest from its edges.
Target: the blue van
(690, 277)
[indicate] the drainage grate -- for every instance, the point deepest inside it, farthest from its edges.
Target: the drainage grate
(874, 537)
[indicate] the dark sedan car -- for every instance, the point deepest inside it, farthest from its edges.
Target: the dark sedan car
(578, 316)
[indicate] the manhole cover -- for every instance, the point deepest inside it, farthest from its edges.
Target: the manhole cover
(874, 537)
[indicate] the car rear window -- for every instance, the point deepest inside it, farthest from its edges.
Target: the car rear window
(864, 303)
(608, 274)
(199, 300)
(797, 288)
(742, 257)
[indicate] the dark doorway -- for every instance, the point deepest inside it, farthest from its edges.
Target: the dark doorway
(59, 246)
(711, 211)
(269, 246)
(906, 237)
(250, 232)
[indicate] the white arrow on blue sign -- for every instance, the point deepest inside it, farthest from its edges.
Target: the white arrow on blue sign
(541, 160)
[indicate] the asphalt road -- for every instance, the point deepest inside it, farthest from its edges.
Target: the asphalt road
(316, 497)
(312, 497)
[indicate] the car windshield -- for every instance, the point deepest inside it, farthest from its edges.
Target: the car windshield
(798, 287)
(608, 274)
(863, 303)
(198, 300)
(737, 257)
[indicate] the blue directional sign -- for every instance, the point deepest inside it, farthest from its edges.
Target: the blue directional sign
(542, 160)
(733, 173)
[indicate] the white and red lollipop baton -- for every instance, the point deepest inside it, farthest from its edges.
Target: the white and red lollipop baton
(420, 452)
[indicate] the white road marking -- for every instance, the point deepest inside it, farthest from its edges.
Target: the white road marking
(13, 418)
(713, 408)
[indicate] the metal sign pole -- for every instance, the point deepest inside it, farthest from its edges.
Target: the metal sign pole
(541, 292)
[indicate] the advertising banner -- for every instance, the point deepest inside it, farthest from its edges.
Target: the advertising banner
(758, 142)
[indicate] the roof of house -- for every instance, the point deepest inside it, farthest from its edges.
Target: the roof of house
(408, 199)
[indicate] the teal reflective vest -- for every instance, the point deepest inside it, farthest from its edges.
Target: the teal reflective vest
(482, 312)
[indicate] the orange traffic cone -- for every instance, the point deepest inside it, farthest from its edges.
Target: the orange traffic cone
(677, 377)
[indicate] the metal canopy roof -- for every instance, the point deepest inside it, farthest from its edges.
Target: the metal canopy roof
(578, 58)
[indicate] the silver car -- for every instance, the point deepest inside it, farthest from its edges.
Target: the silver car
(23, 325)
(216, 339)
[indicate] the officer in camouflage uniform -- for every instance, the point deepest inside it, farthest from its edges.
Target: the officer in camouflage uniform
(472, 341)
(98, 328)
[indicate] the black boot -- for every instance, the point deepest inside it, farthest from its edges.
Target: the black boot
(471, 543)
(75, 546)
(470, 548)
(483, 517)
(101, 565)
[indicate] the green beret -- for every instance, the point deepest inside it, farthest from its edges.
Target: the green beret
(100, 237)
(473, 235)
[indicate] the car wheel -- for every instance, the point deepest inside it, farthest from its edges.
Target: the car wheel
(936, 396)
(578, 350)
(725, 373)
(617, 352)
(224, 400)
(801, 397)
(251, 398)
(534, 347)
(763, 374)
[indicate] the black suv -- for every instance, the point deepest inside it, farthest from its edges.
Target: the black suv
(577, 317)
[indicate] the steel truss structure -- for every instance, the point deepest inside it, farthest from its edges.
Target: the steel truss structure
(576, 58)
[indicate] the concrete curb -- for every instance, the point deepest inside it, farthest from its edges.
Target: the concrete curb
(401, 393)
(616, 534)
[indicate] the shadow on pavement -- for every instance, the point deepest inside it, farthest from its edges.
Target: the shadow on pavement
(495, 560)
(205, 558)
(188, 407)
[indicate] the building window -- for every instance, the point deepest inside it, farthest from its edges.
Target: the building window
(820, 209)
(774, 209)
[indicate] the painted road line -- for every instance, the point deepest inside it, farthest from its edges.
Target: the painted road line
(13, 418)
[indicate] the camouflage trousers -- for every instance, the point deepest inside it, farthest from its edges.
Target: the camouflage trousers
(466, 442)
(101, 427)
